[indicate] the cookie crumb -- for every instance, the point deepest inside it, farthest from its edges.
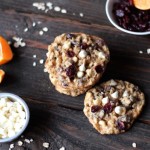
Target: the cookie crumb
(62, 148)
(134, 145)
(148, 51)
(20, 143)
(46, 145)
(141, 52)
(57, 8)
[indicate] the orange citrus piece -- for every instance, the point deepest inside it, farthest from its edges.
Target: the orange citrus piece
(5, 51)
(142, 4)
(2, 74)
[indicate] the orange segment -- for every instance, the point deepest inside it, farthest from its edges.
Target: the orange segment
(142, 4)
(2, 74)
(5, 51)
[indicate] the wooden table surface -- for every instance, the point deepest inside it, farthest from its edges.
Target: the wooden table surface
(57, 118)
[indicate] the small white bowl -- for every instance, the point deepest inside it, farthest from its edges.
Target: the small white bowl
(14, 97)
(111, 17)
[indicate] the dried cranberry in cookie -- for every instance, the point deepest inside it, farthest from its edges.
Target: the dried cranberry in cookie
(82, 59)
(113, 106)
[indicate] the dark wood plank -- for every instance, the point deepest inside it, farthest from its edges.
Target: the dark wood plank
(56, 118)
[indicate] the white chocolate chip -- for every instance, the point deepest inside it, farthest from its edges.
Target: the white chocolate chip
(134, 145)
(102, 123)
(120, 110)
(62, 148)
(125, 93)
(46, 145)
(66, 45)
(82, 53)
(80, 74)
(101, 55)
(75, 59)
(82, 67)
(105, 100)
(114, 95)
(113, 83)
(20, 143)
(101, 114)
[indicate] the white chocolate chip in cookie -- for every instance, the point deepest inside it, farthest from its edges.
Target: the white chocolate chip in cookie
(120, 110)
(114, 95)
(66, 45)
(113, 83)
(105, 100)
(82, 67)
(102, 123)
(125, 94)
(80, 74)
(82, 53)
(75, 59)
(101, 55)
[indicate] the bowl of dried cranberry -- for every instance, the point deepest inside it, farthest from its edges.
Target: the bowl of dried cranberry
(127, 18)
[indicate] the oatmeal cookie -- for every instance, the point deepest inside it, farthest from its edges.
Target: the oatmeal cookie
(75, 62)
(113, 106)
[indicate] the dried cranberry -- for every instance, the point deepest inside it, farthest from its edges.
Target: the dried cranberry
(95, 108)
(70, 36)
(71, 71)
(131, 18)
(108, 108)
(70, 53)
(120, 125)
(84, 46)
(99, 68)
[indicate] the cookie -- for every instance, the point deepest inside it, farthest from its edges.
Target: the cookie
(75, 62)
(113, 106)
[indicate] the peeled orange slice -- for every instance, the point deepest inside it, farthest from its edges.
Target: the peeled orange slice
(5, 51)
(2, 74)
(142, 4)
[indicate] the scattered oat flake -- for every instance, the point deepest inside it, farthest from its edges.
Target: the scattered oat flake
(20, 143)
(57, 8)
(46, 145)
(81, 14)
(11, 146)
(45, 29)
(26, 29)
(62, 148)
(134, 145)
(41, 32)
(141, 52)
(148, 51)
(34, 56)
(41, 61)
(34, 64)
(64, 11)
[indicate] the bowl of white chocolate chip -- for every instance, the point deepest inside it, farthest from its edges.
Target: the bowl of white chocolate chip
(14, 117)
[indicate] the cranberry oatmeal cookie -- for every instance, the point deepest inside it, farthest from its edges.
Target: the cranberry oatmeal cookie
(113, 106)
(75, 62)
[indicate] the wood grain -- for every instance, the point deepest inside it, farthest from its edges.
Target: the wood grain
(56, 118)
